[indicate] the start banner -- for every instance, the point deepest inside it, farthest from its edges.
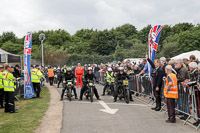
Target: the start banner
(28, 87)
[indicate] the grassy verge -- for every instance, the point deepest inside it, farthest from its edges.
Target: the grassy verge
(29, 117)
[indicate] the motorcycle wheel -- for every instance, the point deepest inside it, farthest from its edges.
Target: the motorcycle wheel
(91, 94)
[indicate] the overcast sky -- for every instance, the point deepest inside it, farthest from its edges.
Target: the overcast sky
(22, 16)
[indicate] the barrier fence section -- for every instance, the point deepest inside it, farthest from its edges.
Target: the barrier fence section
(187, 105)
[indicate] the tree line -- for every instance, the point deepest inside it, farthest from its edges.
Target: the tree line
(96, 46)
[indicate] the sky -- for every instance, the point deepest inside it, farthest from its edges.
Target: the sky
(22, 16)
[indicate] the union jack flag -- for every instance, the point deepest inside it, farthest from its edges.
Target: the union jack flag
(154, 36)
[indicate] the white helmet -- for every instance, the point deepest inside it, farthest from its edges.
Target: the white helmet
(54, 68)
(109, 69)
(89, 68)
(121, 69)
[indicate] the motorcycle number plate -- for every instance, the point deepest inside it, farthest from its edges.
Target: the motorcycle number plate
(125, 82)
(91, 84)
(69, 83)
(112, 80)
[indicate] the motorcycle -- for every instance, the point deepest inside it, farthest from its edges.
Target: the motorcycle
(123, 90)
(89, 93)
(110, 88)
(68, 85)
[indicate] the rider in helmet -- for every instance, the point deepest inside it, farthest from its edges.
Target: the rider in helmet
(69, 76)
(121, 76)
(109, 74)
(89, 75)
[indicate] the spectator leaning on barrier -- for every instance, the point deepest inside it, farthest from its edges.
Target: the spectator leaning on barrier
(194, 77)
(182, 75)
(157, 84)
(9, 89)
(1, 86)
(145, 69)
(198, 97)
(171, 93)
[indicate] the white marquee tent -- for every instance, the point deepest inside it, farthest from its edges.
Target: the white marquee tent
(187, 55)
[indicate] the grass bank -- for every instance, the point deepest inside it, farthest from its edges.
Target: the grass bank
(31, 112)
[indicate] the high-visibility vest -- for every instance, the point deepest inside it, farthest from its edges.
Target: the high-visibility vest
(8, 81)
(50, 73)
(109, 76)
(36, 75)
(1, 80)
(173, 91)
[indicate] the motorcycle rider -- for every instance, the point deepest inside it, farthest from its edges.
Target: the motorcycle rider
(121, 76)
(69, 76)
(109, 74)
(89, 76)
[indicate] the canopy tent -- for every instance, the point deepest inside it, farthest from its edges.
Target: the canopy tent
(6, 57)
(187, 55)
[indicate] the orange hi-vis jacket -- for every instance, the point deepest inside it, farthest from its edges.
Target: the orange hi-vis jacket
(79, 71)
(173, 91)
(50, 73)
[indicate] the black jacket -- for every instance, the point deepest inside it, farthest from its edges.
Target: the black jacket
(69, 77)
(122, 76)
(159, 74)
(16, 73)
(182, 74)
(90, 76)
(194, 75)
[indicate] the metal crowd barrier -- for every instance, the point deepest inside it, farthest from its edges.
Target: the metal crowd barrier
(188, 103)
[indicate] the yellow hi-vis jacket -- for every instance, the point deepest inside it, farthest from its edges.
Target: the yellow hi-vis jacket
(8, 81)
(109, 76)
(1, 80)
(36, 75)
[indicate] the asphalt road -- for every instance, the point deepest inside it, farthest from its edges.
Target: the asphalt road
(135, 117)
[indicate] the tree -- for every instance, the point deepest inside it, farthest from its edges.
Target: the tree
(13, 47)
(8, 36)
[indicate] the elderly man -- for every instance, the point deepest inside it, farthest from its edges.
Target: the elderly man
(197, 91)
(171, 93)
(182, 75)
(194, 77)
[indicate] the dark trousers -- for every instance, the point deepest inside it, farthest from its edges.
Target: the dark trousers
(51, 80)
(116, 93)
(197, 95)
(1, 97)
(37, 89)
(60, 81)
(10, 101)
(171, 109)
(158, 97)
(104, 89)
(64, 89)
(83, 89)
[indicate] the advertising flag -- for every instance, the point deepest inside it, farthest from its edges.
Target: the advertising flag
(28, 87)
(153, 39)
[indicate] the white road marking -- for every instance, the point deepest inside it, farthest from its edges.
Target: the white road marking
(85, 102)
(107, 108)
